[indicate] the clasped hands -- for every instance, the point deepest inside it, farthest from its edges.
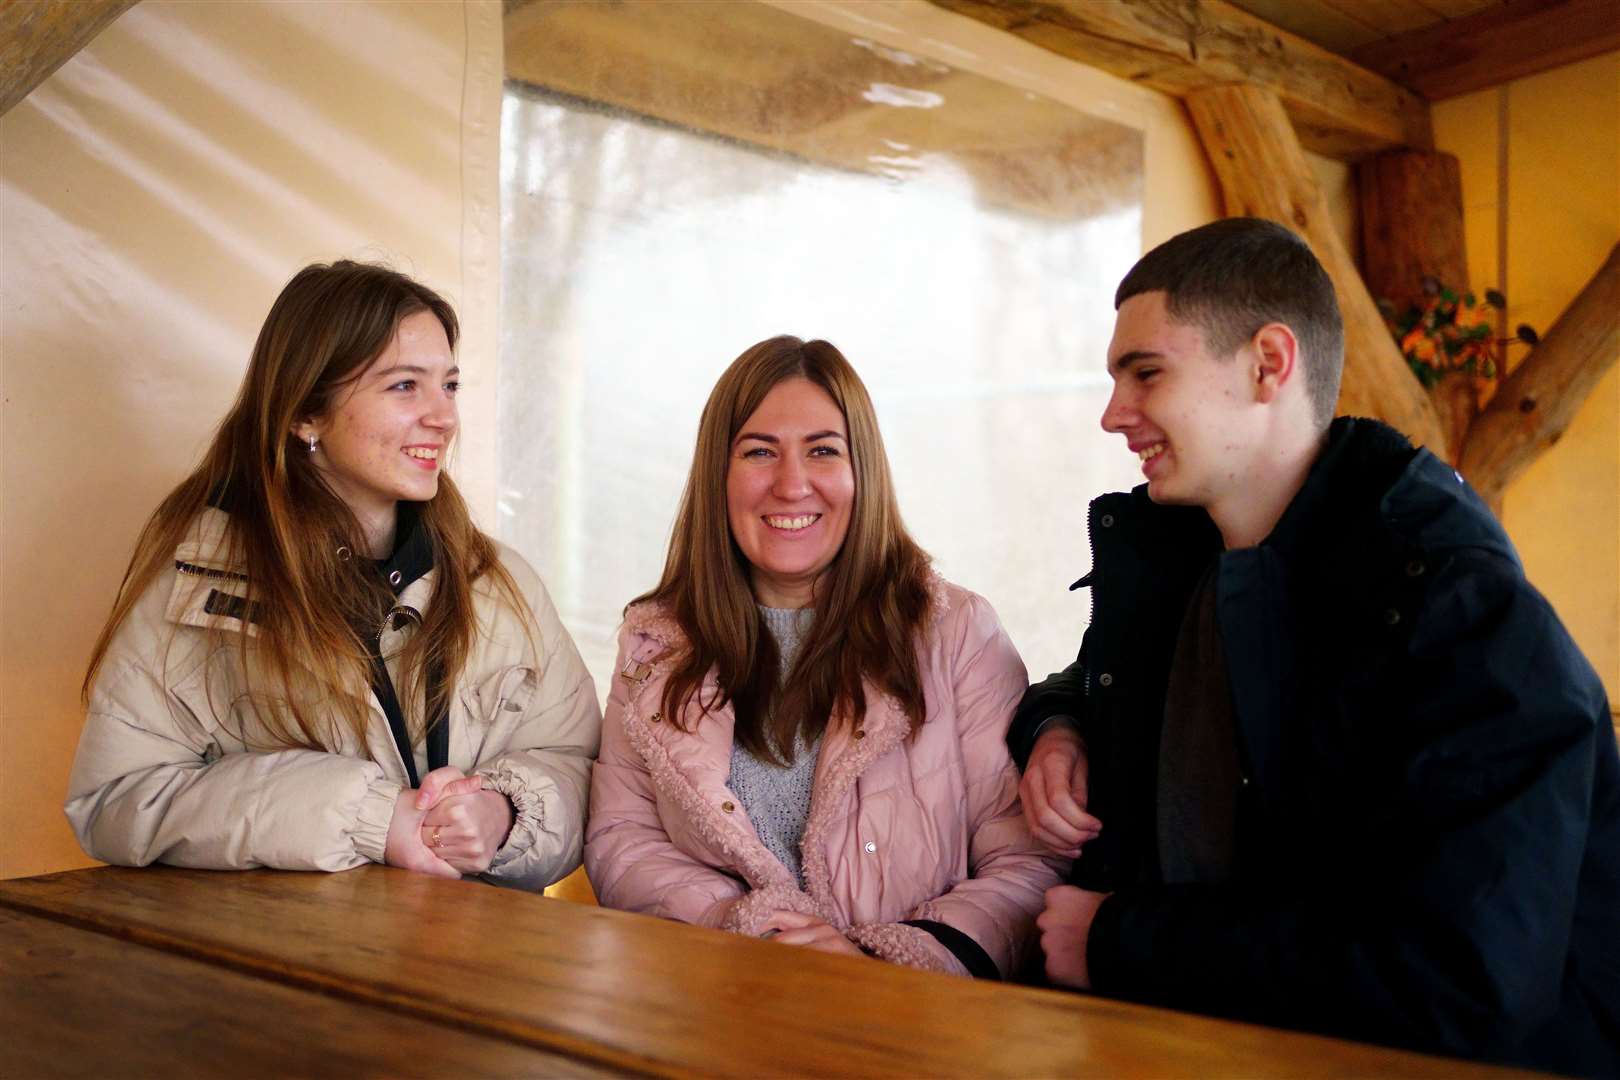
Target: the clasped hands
(1053, 792)
(451, 825)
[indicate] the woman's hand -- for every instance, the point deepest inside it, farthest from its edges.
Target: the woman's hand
(464, 825)
(810, 932)
(404, 847)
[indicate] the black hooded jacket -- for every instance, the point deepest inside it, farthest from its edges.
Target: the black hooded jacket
(1428, 812)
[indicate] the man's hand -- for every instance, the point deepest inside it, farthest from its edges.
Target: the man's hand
(1065, 925)
(809, 932)
(1053, 791)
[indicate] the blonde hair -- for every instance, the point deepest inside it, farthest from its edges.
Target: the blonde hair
(307, 667)
(870, 603)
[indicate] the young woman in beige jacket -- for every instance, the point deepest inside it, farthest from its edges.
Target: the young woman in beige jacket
(316, 660)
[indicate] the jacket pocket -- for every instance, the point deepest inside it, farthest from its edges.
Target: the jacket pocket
(502, 697)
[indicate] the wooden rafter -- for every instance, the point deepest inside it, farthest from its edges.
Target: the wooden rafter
(39, 36)
(1185, 46)
(1507, 41)
(1535, 404)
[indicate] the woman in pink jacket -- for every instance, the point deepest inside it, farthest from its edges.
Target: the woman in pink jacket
(805, 732)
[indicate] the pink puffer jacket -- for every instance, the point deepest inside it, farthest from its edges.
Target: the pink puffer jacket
(925, 829)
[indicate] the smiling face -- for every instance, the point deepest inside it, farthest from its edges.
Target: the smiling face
(387, 434)
(1190, 416)
(790, 487)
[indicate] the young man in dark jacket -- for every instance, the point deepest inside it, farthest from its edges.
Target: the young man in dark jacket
(1328, 760)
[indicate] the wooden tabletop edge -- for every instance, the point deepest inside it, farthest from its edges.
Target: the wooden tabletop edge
(275, 970)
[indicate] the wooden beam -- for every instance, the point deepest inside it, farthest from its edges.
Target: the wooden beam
(1536, 403)
(1504, 42)
(1184, 46)
(1412, 228)
(39, 36)
(1263, 173)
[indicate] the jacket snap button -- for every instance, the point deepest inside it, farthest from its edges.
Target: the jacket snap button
(870, 846)
(1392, 617)
(393, 577)
(728, 806)
(1105, 679)
(860, 733)
(1415, 568)
(1106, 521)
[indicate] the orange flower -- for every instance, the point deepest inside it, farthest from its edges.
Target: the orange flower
(1418, 346)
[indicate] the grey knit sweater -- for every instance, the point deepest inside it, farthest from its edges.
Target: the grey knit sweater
(777, 799)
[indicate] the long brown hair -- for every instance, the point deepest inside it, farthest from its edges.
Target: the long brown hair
(306, 668)
(869, 603)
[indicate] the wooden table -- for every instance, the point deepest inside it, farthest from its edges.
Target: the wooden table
(377, 971)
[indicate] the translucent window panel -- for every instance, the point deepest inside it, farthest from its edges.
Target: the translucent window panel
(680, 181)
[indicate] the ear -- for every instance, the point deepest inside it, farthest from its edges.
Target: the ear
(304, 430)
(1275, 360)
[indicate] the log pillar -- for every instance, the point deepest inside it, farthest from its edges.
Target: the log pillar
(1263, 173)
(1412, 227)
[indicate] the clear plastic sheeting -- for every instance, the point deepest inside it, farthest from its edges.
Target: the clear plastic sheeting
(680, 181)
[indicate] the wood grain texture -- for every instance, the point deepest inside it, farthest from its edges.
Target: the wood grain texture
(1343, 25)
(1536, 403)
(1503, 42)
(1315, 21)
(1263, 173)
(1185, 46)
(1412, 227)
(76, 1003)
(39, 36)
(640, 994)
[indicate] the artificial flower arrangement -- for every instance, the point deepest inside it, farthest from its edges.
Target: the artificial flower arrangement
(1450, 333)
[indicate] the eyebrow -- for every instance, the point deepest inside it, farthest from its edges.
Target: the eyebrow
(814, 436)
(1117, 368)
(410, 369)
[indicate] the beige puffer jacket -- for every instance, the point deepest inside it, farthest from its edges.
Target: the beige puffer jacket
(162, 776)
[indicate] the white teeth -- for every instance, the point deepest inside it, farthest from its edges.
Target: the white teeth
(1151, 452)
(802, 521)
(422, 452)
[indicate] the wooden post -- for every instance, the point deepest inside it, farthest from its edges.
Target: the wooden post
(1412, 227)
(1535, 405)
(1263, 173)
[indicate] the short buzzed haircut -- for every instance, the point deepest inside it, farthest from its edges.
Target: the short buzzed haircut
(1231, 277)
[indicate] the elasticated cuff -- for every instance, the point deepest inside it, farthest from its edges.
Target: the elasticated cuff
(371, 820)
(528, 816)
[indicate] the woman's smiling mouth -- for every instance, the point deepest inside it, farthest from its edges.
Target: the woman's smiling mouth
(790, 523)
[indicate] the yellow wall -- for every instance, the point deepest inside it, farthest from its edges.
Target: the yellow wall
(155, 194)
(1558, 154)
